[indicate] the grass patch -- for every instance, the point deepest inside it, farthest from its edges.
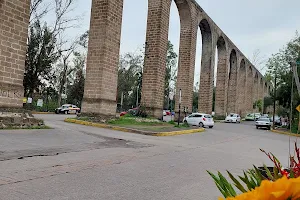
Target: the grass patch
(135, 121)
(172, 122)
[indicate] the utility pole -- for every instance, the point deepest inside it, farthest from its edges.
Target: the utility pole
(137, 96)
(274, 103)
(179, 106)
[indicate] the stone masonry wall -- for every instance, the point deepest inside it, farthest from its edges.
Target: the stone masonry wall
(103, 58)
(232, 84)
(156, 52)
(222, 76)
(187, 51)
(14, 15)
(207, 69)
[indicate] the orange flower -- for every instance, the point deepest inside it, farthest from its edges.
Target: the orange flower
(282, 189)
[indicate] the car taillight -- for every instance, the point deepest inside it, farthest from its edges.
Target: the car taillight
(204, 119)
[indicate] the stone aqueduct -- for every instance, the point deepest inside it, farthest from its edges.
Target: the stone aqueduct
(239, 83)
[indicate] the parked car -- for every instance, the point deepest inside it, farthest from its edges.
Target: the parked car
(250, 117)
(277, 120)
(263, 123)
(199, 119)
(233, 117)
(257, 116)
(67, 109)
(166, 112)
(132, 111)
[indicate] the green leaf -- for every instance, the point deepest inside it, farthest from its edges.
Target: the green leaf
(269, 174)
(276, 173)
(258, 173)
(292, 174)
(246, 181)
(237, 183)
(227, 185)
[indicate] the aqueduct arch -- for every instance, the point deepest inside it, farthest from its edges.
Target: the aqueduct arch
(103, 58)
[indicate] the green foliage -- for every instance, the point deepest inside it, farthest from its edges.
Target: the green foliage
(76, 89)
(135, 121)
(172, 122)
(251, 179)
(258, 104)
(40, 57)
(129, 79)
(268, 101)
(171, 71)
(279, 66)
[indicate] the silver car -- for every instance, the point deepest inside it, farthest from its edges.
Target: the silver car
(263, 123)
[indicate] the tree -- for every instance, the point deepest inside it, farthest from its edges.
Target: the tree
(47, 45)
(40, 56)
(279, 66)
(268, 101)
(258, 60)
(171, 73)
(129, 79)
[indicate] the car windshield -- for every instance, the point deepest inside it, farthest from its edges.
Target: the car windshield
(207, 116)
(264, 120)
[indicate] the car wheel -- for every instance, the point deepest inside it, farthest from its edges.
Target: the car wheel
(210, 127)
(201, 125)
(269, 127)
(66, 112)
(256, 127)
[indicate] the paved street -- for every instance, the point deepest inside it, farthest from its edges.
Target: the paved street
(78, 162)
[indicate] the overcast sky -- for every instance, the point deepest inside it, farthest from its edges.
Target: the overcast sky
(266, 25)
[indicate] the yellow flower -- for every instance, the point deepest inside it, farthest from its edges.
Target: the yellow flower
(282, 189)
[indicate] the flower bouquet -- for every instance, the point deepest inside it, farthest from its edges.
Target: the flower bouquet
(263, 183)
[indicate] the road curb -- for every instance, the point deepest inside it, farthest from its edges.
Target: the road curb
(42, 113)
(130, 130)
(285, 133)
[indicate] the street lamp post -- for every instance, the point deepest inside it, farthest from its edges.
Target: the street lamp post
(179, 105)
(274, 103)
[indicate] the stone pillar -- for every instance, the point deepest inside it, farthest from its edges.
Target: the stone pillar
(242, 89)
(232, 84)
(207, 70)
(14, 22)
(222, 77)
(249, 90)
(186, 64)
(103, 58)
(261, 93)
(156, 53)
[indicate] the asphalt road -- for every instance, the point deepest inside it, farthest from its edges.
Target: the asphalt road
(78, 162)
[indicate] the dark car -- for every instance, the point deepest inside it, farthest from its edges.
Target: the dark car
(277, 120)
(67, 109)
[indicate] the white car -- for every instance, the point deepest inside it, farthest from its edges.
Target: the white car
(200, 119)
(257, 116)
(233, 117)
(263, 123)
